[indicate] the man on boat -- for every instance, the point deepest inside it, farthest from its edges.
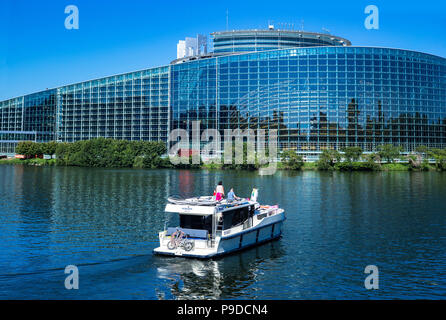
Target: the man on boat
(232, 196)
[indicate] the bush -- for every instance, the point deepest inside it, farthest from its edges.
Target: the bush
(180, 165)
(152, 151)
(328, 159)
(109, 153)
(291, 160)
(49, 148)
(138, 162)
(356, 166)
(352, 154)
(425, 166)
(395, 167)
(440, 158)
(244, 165)
(29, 149)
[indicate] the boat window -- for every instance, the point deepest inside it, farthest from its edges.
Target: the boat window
(235, 217)
(196, 222)
(261, 216)
(244, 214)
(228, 218)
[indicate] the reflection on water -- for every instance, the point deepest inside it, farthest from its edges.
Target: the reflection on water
(107, 222)
(214, 279)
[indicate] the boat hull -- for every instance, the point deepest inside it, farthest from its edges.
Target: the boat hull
(262, 233)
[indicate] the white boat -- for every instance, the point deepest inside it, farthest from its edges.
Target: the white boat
(210, 228)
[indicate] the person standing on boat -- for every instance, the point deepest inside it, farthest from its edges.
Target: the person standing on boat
(219, 191)
(254, 194)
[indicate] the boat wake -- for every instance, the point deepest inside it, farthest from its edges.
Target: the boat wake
(87, 264)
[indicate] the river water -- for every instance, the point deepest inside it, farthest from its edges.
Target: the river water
(105, 222)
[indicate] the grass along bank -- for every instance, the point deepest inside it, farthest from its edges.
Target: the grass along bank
(29, 162)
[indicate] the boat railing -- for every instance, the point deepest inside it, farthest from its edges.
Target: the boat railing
(196, 201)
(205, 201)
(267, 211)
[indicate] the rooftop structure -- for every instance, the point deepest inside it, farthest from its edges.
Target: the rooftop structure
(271, 39)
(192, 46)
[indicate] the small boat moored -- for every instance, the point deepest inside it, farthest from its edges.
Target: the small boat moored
(210, 228)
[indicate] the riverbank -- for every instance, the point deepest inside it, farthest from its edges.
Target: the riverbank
(307, 166)
(110, 153)
(29, 162)
(342, 166)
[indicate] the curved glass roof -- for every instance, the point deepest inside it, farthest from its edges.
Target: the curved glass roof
(263, 40)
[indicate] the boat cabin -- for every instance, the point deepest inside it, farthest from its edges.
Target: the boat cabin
(215, 228)
(203, 217)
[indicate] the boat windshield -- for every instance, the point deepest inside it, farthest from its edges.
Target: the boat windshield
(196, 222)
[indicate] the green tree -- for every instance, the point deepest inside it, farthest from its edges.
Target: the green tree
(291, 160)
(49, 147)
(62, 150)
(372, 161)
(389, 152)
(152, 152)
(109, 153)
(440, 158)
(416, 161)
(352, 154)
(244, 165)
(421, 150)
(29, 149)
(23, 147)
(328, 159)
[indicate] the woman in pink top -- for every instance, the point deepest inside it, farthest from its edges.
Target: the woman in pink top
(220, 191)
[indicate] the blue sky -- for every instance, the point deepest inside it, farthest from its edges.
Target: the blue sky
(37, 52)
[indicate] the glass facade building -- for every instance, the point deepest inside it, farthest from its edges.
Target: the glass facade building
(325, 97)
(28, 118)
(317, 97)
(133, 106)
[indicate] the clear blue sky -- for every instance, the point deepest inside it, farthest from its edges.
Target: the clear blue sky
(37, 52)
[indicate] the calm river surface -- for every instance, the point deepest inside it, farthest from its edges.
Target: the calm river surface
(106, 223)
